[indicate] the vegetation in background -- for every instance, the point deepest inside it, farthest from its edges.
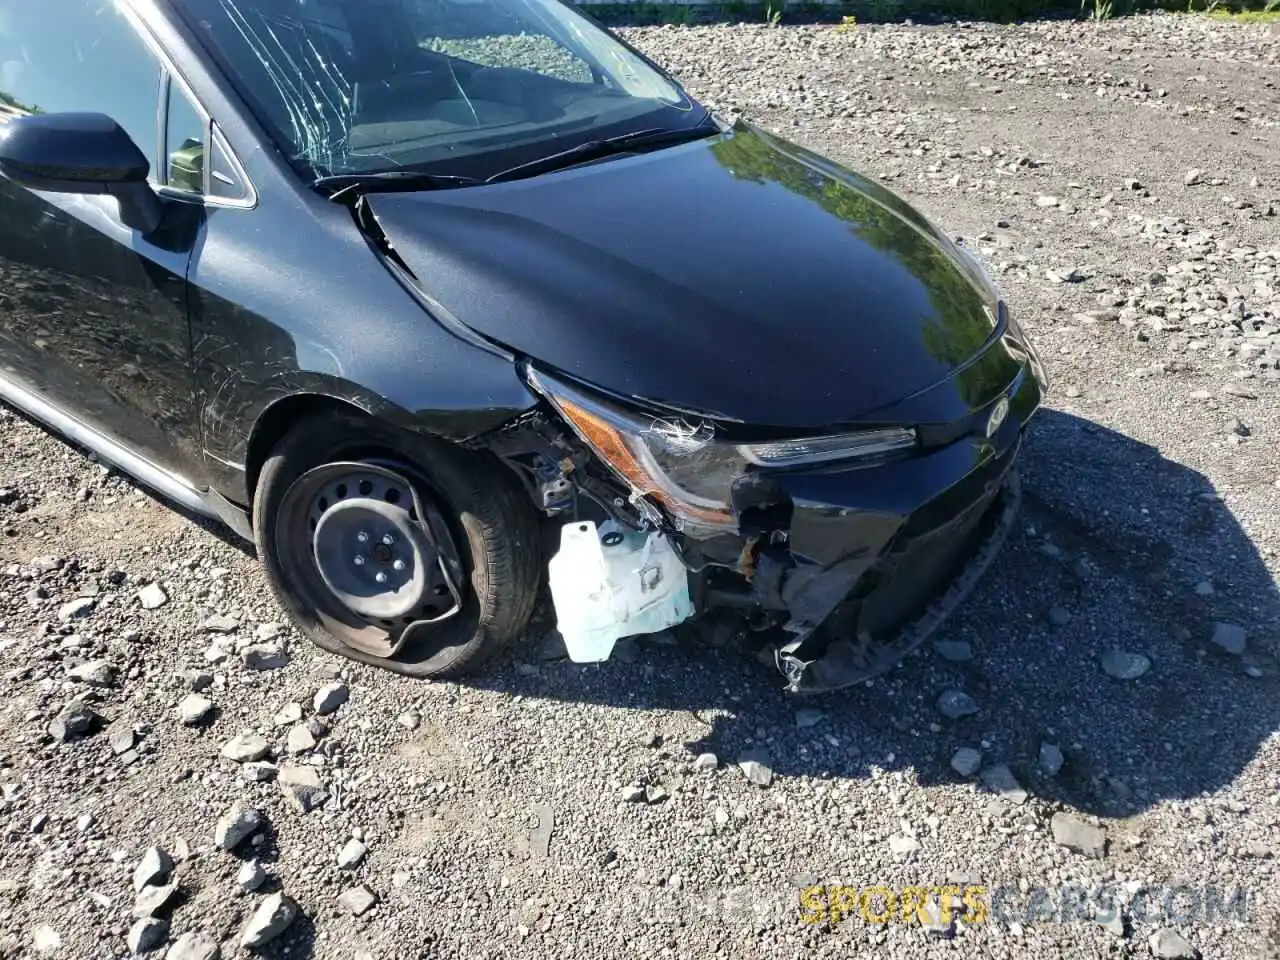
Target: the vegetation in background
(847, 15)
(1268, 14)
(13, 103)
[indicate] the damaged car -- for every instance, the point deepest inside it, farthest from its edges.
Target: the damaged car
(444, 303)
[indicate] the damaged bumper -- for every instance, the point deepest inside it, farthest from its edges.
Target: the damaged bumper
(878, 612)
(844, 565)
(874, 560)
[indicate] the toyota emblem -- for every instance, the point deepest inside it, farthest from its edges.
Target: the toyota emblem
(998, 414)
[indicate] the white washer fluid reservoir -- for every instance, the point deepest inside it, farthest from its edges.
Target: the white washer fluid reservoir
(610, 582)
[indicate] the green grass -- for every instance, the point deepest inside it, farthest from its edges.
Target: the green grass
(1247, 16)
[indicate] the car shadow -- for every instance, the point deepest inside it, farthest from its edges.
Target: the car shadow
(1117, 549)
(209, 525)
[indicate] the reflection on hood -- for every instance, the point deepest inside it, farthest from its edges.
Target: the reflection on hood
(734, 275)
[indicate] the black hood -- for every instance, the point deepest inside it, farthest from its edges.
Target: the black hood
(739, 276)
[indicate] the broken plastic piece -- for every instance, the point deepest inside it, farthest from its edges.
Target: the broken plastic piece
(610, 582)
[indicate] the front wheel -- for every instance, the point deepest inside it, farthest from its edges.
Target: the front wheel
(394, 549)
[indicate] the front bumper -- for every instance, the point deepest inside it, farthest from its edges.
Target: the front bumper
(872, 560)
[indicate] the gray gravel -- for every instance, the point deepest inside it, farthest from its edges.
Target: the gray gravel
(494, 814)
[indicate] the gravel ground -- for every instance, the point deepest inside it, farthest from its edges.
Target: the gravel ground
(550, 809)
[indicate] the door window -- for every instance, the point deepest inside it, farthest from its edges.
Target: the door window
(79, 56)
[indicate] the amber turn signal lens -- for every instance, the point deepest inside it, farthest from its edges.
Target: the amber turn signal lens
(610, 443)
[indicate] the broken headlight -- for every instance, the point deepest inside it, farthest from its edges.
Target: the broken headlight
(682, 466)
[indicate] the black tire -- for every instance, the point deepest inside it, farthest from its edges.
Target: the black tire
(494, 528)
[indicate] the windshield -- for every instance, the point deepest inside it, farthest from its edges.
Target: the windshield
(452, 86)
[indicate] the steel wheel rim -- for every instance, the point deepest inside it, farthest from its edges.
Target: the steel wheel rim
(325, 512)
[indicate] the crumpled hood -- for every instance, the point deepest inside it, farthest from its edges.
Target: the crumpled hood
(739, 276)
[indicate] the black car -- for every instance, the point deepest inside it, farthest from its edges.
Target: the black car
(404, 290)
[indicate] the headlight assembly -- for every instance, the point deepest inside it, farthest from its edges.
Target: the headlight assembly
(683, 466)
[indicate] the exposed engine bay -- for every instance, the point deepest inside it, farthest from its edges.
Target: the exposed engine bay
(833, 608)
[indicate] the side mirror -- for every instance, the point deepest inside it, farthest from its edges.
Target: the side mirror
(81, 153)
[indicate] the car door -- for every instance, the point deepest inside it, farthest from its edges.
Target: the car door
(93, 316)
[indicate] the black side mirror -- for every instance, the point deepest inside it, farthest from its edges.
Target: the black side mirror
(81, 153)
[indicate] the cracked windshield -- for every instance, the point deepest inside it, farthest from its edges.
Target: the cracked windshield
(464, 86)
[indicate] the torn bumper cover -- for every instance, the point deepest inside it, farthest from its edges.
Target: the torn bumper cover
(847, 551)
(875, 613)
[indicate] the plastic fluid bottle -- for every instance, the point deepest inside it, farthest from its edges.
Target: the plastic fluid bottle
(611, 582)
(583, 595)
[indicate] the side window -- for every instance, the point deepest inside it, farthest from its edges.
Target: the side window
(186, 136)
(224, 182)
(78, 55)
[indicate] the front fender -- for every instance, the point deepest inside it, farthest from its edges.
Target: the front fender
(242, 417)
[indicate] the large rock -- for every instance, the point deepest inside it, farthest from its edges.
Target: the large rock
(955, 651)
(194, 709)
(76, 609)
(1078, 836)
(351, 854)
(219, 623)
(236, 825)
(264, 656)
(1123, 665)
(288, 715)
(194, 946)
(152, 596)
(809, 717)
(246, 747)
(302, 787)
(1168, 944)
(121, 739)
(259, 772)
(75, 720)
(966, 761)
(45, 939)
(357, 901)
(147, 934)
(330, 697)
(154, 899)
(96, 673)
(1051, 759)
(272, 918)
(756, 766)
(901, 845)
(251, 876)
(954, 704)
(1229, 637)
(153, 868)
(998, 778)
(300, 739)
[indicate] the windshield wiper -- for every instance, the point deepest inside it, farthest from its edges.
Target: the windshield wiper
(596, 149)
(341, 185)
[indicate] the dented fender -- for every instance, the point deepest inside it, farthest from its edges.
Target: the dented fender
(356, 332)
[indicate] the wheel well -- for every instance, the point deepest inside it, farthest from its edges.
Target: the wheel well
(277, 420)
